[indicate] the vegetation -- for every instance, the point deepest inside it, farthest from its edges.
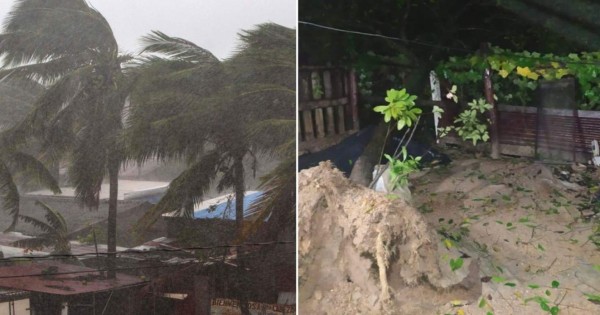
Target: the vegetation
(470, 124)
(183, 101)
(184, 104)
(19, 167)
(402, 110)
(517, 74)
(79, 114)
(54, 232)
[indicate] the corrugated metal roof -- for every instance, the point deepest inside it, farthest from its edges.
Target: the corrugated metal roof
(77, 279)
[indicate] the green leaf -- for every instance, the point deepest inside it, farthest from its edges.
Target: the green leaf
(537, 299)
(540, 247)
(547, 292)
(545, 306)
(554, 310)
(380, 108)
(592, 297)
(401, 124)
(482, 303)
(510, 284)
(498, 279)
(555, 284)
(533, 286)
(456, 264)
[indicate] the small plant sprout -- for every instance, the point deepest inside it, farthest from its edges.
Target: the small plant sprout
(401, 168)
(401, 111)
(469, 125)
(452, 94)
(401, 107)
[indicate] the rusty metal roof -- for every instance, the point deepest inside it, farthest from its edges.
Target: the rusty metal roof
(60, 279)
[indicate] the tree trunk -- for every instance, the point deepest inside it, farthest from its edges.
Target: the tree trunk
(238, 165)
(113, 175)
(241, 286)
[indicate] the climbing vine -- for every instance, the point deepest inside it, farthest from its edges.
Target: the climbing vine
(517, 74)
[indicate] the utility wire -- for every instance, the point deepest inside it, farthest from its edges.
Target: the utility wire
(164, 265)
(381, 36)
(415, 42)
(144, 252)
(91, 271)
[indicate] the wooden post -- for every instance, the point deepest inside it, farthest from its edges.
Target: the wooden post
(353, 97)
(493, 113)
(201, 295)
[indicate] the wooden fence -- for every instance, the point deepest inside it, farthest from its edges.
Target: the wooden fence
(327, 109)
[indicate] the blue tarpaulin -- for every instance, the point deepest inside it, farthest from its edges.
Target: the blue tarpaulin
(224, 207)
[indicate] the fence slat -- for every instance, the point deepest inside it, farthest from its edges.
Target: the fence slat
(309, 132)
(330, 120)
(319, 121)
(341, 119)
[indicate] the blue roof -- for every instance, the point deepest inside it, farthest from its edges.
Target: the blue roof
(224, 207)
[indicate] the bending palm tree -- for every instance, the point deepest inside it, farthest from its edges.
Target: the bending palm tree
(70, 47)
(190, 105)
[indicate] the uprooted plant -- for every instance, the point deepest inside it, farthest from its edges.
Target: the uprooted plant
(401, 108)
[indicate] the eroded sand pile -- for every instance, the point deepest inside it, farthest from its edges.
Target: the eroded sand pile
(364, 252)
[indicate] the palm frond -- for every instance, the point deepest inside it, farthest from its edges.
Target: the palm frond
(32, 168)
(191, 185)
(44, 72)
(277, 203)
(174, 47)
(35, 243)
(55, 232)
(9, 193)
(41, 225)
(273, 135)
(35, 31)
(54, 218)
(88, 166)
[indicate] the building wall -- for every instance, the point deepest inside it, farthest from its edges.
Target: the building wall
(21, 307)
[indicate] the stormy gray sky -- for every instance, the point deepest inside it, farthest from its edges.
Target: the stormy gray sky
(210, 24)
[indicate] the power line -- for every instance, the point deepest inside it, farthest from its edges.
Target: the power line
(90, 271)
(144, 252)
(164, 265)
(382, 36)
(444, 47)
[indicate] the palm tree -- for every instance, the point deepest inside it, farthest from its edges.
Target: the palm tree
(265, 67)
(191, 105)
(69, 46)
(15, 165)
(54, 230)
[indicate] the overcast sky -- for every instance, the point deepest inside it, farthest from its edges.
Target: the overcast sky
(210, 24)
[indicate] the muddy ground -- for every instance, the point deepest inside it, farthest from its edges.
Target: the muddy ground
(517, 226)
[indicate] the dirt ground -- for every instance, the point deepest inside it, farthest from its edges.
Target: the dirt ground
(517, 226)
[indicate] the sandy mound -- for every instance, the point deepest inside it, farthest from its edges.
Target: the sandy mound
(365, 252)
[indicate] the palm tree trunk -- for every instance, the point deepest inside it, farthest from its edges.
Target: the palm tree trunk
(113, 177)
(240, 188)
